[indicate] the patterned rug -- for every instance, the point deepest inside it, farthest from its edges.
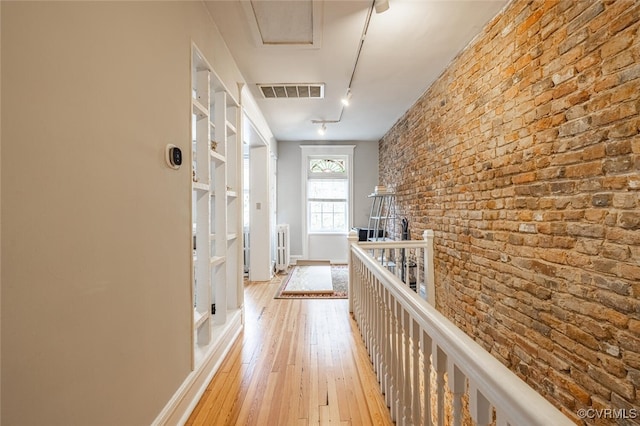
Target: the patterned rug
(339, 279)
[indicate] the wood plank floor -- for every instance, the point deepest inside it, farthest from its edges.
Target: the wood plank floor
(298, 362)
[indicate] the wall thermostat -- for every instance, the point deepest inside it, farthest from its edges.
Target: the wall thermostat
(173, 156)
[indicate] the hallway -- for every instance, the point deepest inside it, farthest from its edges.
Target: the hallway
(299, 361)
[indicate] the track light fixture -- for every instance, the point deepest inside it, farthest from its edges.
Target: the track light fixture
(381, 5)
(347, 98)
(323, 125)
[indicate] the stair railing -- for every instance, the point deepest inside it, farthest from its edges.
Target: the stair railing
(428, 369)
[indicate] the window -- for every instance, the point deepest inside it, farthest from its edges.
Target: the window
(327, 194)
(327, 205)
(327, 199)
(327, 165)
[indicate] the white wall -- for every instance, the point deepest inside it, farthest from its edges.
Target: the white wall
(260, 247)
(258, 122)
(96, 230)
(290, 180)
(262, 143)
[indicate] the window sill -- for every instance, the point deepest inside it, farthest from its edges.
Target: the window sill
(345, 233)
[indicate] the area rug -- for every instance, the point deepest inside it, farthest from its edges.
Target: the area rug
(337, 290)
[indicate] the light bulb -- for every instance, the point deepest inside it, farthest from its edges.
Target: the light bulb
(346, 100)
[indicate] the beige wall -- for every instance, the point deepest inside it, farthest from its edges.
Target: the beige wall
(96, 232)
(0, 217)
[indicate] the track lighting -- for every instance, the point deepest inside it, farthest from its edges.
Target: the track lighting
(323, 125)
(381, 6)
(347, 98)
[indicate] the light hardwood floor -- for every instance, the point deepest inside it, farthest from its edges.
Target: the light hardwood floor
(298, 362)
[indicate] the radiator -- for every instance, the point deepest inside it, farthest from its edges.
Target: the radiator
(282, 247)
(245, 249)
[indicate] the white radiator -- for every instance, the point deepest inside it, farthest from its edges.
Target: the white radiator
(282, 247)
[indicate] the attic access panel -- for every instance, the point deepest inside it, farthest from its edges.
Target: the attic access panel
(277, 23)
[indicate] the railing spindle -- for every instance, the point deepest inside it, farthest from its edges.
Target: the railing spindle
(457, 382)
(406, 366)
(415, 369)
(480, 408)
(378, 329)
(395, 368)
(408, 341)
(387, 347)
(440, 363)
(427, 345)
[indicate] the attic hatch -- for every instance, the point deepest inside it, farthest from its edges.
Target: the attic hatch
(278, 91)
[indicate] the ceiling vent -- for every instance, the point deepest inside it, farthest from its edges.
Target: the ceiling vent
(279, 91)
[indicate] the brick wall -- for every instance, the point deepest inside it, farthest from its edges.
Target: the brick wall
(524, 157)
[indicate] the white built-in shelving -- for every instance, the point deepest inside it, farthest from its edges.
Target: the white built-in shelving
(216, 210)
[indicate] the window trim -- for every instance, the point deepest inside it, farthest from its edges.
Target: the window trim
(324, 151)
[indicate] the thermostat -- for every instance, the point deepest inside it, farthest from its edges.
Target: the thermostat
(173, 156)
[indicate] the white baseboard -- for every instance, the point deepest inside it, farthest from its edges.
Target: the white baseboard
(294, 260)
(180, 406)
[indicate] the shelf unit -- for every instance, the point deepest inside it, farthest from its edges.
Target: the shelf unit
(216, 212)
(382, 215)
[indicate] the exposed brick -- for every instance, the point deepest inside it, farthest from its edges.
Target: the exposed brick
(578, 335)
(585, 170)
(624, 200)
(607, 82)
(585, 17)
(524, 157)
(614, 114)
(630, 74)
(602, 200)
(632, 359)
(624, 130)
(593, 153)
(618, 148)
(612, 364)
(575, 127)
(622, 17)
(618, 164)
(585, 230)
(588, 61)
(623, 236)
(581, 394)
(630, 271)
(616, 301)
(621, 387)
(616, 252)
(619, 61)
(616, 45)
(573, 40)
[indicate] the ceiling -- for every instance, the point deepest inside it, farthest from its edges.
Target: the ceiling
(302, 42)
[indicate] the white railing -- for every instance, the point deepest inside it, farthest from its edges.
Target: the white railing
(420, 357)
